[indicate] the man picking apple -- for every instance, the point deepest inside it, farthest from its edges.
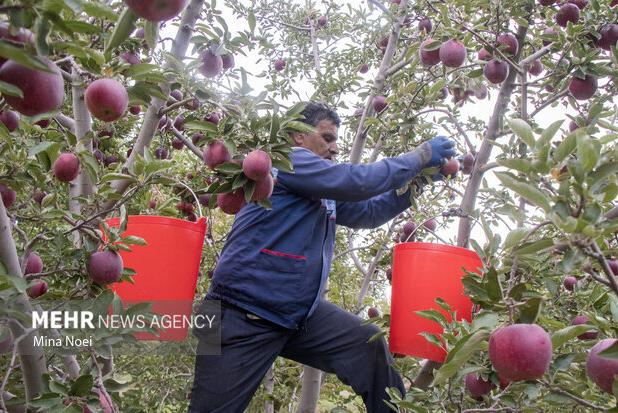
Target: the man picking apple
(274, 266)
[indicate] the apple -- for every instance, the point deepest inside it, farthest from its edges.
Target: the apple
(429, 57)
(520, 352)
(66, 167)
(42, 91)
(106, 99)
(105, 267)
(130, 58)
(602, 370)
(589, 335)
(98, 155)
(135, 109)
(38, 288)
(452, 53)
(379, 103)
(279, 65)
(10, 119)
(613, 265)
(322, 21)
(383, 43)
(34, 264)
(373, 312)
(389, 274)
(179, 122)
(549, 36)
(163, 122)
(573, 126)
(152, 204)
(176, 94)
(569, 282)
(109, 132)
(408, 228)
(364, 68)
(8, 195)
(481, 92)
(158, 10)
(215, 154)
(609, 36)
(477, 387)
(177, 143)
(161, 152)
(484, 55)
(204, 199)
(212, 64)
(139, 33)
(496, 71)
(431, 225)
(583, 89)
(197, 137)
(193, 104)
(468, 163)
(38, 196)
(263, 189)
(231, 202)
(44, 123)
(228, 61)
(546, 2)
(567, 13)
(508, 44)
(213, 117)
(110, 159)
(257, 165)
(535, 68)
(450, 168)
(16, 36)
(425, 25)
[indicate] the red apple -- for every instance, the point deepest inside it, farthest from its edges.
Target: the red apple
(110, 159)
(496, 71)
(389, 274)
(158, 10)
(213, 117)
(257, 165)
(44, 123)
(98, 155)
(179, 122)
(152, 204)
(508, 44)
(42, 91)
(452, 53)
(215, 154)
(228, 61)
(16, 36)
(38, 288)
(135, 109)
(105, 267)
(567, 13)
(583, 89)
(204, 199)
(613, 265)
(549, 36)
(602, 370)
(573, 126)
(535, 68)
(379, 103)
(450, 168)
(373, 312)
(197, 137)
(176, 94)
(34, 264)
(10, 119)
(66, 167)
(212, 64)
(263, 189)
(130, 58)
(520, 352)
(429, 57)
(431, 225)
(589, 335)
(139, 33)
(322, 21)
(408, 228)
(106, 99)
(484, 54)
(161, 152)
(8, 195)
(364, 68)
(193, 104)
(468, 163)
(477, 387)
(231, 202)
(569, 282)
(609, 36)
(579, 3)
(279, 65)
(546, 2)
(38, 196)
(425, 25)
(177, 143)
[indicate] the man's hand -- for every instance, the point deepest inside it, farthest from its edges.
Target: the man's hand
(441, 148)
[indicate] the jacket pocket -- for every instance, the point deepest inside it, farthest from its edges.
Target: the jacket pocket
(281, 262)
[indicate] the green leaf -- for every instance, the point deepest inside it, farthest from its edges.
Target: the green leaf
(151, 32)
(297, 126)
(201, 125)
(525, 190)
(251, 21)
(523, 131)
(117, 176)
(530, 310)
(122, 30)
(134, 240)
(514, 237)
(42, 30)
(586, 152)
(566, 147)
(493, 287)
(229, 167)
(433, 315)
(11, 90)
(560, 337)
(610, 352)
(460, 354)
(19, 55)
(41, 147)
(520, 165)
(82, 386)
(534, 246)
(548, 134)
(123, 218)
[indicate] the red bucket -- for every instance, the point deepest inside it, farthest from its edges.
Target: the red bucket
(166, 269)
(423, 272)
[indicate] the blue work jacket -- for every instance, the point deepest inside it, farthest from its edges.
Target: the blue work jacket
(275, 263)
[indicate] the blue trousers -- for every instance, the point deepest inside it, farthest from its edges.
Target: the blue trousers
(333, 341)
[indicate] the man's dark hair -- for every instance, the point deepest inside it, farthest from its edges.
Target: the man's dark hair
(314, 112)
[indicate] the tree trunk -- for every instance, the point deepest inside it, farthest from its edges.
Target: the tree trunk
(310, 392)
(269, 386)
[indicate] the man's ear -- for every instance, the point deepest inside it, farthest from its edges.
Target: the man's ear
(298, 138)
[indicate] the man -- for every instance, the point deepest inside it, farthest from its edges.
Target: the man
(275, 263)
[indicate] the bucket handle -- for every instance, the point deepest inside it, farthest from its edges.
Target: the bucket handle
(197, 201)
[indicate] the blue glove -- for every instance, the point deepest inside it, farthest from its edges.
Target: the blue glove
(441, 148)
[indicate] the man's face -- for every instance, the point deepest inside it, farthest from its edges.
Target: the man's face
(323, 142)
